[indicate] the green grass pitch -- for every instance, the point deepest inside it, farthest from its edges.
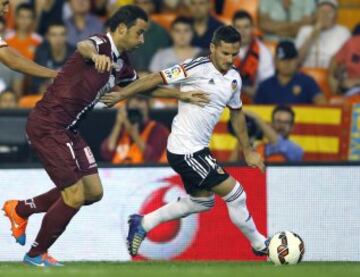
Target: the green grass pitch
(186, 269)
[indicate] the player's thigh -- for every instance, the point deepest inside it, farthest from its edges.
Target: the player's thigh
(54, 149)
(92, 187)
(74, 195)
(225, 187)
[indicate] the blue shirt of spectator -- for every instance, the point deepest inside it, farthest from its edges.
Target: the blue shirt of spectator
(300, 90)
(290, 150)
(204, 40)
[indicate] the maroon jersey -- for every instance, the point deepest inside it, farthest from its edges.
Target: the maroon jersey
(79, 86)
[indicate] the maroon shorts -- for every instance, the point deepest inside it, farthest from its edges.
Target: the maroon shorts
(65, 155)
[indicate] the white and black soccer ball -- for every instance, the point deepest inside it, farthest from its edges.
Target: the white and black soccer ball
(286, 248)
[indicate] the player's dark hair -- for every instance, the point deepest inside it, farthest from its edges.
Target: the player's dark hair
(227, 34)
(183, 20)
(242, 14)
(283, 108)
(127, 15)
(25, 7)
(57, 23)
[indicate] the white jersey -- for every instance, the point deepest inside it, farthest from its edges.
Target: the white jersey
(2, 42)
(193, 125)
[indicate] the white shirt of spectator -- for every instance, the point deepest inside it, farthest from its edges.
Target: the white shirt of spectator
(266, 62)
(325, 47)
(193, 125)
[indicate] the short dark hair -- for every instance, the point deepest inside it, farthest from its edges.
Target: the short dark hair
(55, 24)
(227, 34)
(26, 7)
(182, 20)
(242, 14)
(127, 15)
(283, 108)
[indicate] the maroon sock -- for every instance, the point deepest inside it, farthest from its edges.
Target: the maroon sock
(38, 204)
(53, 225)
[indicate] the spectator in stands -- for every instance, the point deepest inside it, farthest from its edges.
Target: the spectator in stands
(173, 6)
(8, 100)
(204, 23)
(135, 138)
(181, 33)
(156, 37)
(319, 42)
(275, 145)
(288, 85)
(23, 39)
(283, 19)
(81, 24)
(48, 11)
(52, 53)
(344, 71)
(100, 8)
(9, 78)
(255, 62)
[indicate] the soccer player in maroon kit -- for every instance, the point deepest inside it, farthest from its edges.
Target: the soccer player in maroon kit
(98, 66)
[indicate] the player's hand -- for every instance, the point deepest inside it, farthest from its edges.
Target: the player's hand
(199, 98)
(111, 98)
(254, 159)
(102, 63)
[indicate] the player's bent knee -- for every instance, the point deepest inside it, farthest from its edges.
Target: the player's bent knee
(202, 204)
(74, 196)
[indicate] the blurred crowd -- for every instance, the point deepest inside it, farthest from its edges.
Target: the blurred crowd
(293, 52)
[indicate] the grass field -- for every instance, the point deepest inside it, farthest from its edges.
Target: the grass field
(187, 269)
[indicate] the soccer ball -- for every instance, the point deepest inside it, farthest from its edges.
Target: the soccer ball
(286, 248)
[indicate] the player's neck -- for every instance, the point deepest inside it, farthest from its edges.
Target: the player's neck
(217, 67)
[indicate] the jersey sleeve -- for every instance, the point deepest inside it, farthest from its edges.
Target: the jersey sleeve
(174, 75)
(235, 102)
(101, 43)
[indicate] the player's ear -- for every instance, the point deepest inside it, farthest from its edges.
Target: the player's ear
(212, 47)
(121, 29)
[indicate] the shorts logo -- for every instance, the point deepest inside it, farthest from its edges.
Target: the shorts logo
(89, 155)
(220, 170)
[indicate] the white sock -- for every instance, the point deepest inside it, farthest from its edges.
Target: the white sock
(240, 216)
(174, 210)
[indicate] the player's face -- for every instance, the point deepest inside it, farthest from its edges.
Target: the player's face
(245, 28)
(57, 36)
(133, 37)
(223, 55)
(283, 123)
(181, 34)
(286, 67)
(4, 7)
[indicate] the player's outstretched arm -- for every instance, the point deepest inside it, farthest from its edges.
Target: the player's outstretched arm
(146, 83)
(238, 122)
(199, 98)
(12, 59)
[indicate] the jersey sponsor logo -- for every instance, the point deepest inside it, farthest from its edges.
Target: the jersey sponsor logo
(211, 81)
(173, 74)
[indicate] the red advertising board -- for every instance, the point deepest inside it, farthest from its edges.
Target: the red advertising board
(209, 235)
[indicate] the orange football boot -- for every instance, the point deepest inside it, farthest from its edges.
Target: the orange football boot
(18, 224)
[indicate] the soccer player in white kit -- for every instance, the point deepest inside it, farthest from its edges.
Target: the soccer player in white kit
(187, 149)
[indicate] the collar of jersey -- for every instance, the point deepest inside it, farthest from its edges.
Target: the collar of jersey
(113, 47)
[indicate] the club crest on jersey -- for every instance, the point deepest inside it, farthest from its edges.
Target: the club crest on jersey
(234, 85)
